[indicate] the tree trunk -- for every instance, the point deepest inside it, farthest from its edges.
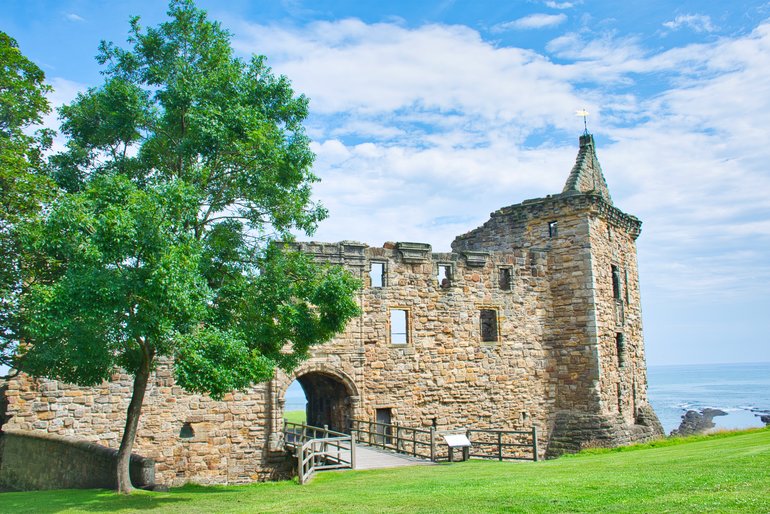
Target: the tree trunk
(132, 421)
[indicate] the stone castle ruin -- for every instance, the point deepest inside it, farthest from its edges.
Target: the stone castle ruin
(533, 319)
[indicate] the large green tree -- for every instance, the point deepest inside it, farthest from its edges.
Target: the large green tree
(24, 186)
(183, 170)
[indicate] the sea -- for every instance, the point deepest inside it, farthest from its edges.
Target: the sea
(742, 391)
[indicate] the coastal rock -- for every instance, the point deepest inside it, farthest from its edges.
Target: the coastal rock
(694, 422)
(765, 419)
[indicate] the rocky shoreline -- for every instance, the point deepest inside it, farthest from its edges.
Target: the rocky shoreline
(699, 422)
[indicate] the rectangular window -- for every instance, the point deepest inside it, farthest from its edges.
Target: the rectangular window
(506, 279)
(377, 274)
(553, 228)
(615, 282)
(488, 320)
(444, 276)
(399, 326)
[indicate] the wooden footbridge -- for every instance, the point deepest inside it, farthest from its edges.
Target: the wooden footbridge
(371, 445)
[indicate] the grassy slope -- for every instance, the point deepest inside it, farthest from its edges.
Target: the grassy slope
(715, 474)
(294, 416)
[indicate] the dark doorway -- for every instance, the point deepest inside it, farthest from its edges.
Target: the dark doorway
(385, 417)
(328, 401)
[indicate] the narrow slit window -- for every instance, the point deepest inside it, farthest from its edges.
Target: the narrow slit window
(615, 282)
(399, 326)
(625, 285)
(505, 279)
(377, 274)
(620, 348)
(488, 320)
(444, 276)
(553, 228)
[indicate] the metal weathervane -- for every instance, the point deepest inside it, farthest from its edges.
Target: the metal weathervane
(584, 114)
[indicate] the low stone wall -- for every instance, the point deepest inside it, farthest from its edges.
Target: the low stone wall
(574, 431)
(32, 461)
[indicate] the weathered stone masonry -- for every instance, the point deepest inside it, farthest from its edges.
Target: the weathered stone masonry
(533, 318)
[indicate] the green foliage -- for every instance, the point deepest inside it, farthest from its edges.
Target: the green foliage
(124, 274)
(181, 172)
(728, 474)
(23, 182)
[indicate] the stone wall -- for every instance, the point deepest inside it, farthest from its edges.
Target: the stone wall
(228, 445)
(31, 461)
(537, 322)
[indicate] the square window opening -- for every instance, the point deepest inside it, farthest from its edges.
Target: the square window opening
(377, 274)
(444, 276)
(506, 279)
(488, 320)
(553, 228)
(399, 326)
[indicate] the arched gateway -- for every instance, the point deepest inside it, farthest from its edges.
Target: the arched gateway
(331, 395)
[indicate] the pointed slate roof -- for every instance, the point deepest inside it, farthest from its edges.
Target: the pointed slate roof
(586, 176)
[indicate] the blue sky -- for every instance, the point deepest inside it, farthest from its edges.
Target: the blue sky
(427, 116)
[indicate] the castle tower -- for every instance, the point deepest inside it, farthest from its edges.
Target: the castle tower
(533, 320)
(597, 370)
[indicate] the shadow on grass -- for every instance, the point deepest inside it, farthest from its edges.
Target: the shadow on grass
(89, 500)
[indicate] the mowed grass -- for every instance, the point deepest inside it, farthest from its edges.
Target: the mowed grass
(294, 416)
(726, 473)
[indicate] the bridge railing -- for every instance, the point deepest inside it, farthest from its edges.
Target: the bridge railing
(317, 448)
(503, 444)
(417, 442)
(428, 443)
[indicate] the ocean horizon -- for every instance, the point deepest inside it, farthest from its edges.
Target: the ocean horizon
(741, 390)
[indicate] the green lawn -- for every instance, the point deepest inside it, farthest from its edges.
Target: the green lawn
(715, 474)
(294, 416)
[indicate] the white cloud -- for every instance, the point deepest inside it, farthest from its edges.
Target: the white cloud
(533, 21)
(696, 22)
(74, 17)
(561, 5)
(421, 132)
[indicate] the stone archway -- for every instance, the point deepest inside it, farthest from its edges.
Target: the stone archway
(332, 396)
(328, 401)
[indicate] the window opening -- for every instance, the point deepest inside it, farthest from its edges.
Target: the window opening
(377, 274)
(187, 431)
(444, 276)
(399, 326)
(625, 285)
(505, 279)
(553, 228)
(615, 282)
(620, 398)
(488, 319)
(620, 348)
